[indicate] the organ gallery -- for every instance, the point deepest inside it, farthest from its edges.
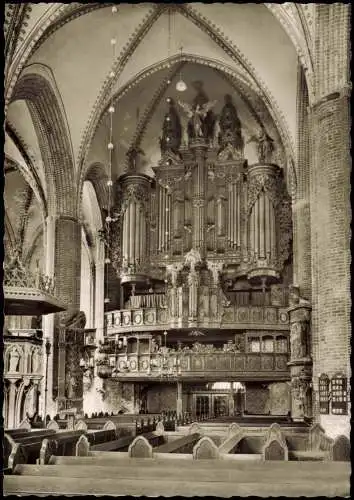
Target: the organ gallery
(202, 250)
(176, 240)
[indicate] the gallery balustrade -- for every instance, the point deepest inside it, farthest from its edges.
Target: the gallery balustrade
(188, 364)
(157, 318)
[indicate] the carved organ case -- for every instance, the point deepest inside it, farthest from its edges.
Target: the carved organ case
(205, 217)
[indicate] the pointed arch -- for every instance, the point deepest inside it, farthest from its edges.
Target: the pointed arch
(37, 86)
(248, 88)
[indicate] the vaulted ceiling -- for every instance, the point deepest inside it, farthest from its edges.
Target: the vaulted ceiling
(250, 51)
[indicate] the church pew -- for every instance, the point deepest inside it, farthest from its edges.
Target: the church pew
(16, 432)
(120, 444)
(101, 436)
(63, 443)
(11, 436)
(229, 472)
(186, 478)
(105, 449)
(19, 436)
(34, 435)
(181, 445)
(24, 450)
(249, 445)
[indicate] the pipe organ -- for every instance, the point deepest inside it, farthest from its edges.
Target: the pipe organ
(204, 209)
(135, 209)
(205, 251)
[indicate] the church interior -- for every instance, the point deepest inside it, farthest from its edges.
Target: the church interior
(177, 249)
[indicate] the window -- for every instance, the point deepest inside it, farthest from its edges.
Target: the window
(324, 394)
(282, 344)
(267, 344)
(339, 395)
(254, 344)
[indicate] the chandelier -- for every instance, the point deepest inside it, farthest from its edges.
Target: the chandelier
(166, 369)
(196, 333)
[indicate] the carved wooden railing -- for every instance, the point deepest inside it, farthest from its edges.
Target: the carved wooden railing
(158, 318)
(217, 365)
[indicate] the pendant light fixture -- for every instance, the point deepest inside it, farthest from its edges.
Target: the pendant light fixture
(181, 85)
(110, 147)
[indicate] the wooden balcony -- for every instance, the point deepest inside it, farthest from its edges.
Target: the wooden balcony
(217, 365)
(158, 318)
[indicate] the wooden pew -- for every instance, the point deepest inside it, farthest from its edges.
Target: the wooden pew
(120, 444)
(181, 445)
(63, 443)
(16, 432)
(319, 446)
(218, 478)
(25, 449)
(104, 451)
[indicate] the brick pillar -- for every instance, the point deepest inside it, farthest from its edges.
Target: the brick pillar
(48, 319)
(330, 227)
(301, 203)
(99, 291)
(330, 203)
(67, 265)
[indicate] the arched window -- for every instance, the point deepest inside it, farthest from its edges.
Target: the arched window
(324, 394)
(339, 395)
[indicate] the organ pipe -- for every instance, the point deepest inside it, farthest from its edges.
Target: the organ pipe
(138, 231)
(262, 228)
(238, 209)
(234, 216)
(132, 233)
(135, 189)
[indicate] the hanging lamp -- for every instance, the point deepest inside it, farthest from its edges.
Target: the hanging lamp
(110, 147)
(181, 85)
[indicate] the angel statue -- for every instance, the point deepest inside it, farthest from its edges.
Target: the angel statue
(197, 115)
(265, 146)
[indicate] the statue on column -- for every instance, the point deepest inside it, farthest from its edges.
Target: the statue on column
(192, 258)
(14, 360)
(299, 390)
(298, 340)
(265, 146)
(133, 155)
(230, 138)
(35, 361)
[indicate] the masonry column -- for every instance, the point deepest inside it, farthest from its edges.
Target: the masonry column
(67, 379)
(48, 319)
(301, 201)
(179, 399)
(330, 203)
(99, 292)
